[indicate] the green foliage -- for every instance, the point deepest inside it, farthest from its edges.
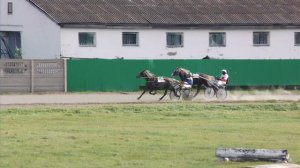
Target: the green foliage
(18, 53)
(144, 135)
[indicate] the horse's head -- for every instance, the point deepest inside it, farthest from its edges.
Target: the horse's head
(144, 74)
(176, 71)
(181, 72)
(141, 74)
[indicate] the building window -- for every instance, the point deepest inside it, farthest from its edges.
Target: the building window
(87, 39)
(297, 38)
(10, 8)
(130, 39)
(174, 39)
(217, 39)
(261, 38)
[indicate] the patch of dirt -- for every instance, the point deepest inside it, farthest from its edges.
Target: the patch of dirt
(131, 97)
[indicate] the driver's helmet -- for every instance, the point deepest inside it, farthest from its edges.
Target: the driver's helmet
(224, 70)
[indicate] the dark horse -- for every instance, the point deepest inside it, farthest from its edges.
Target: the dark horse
(199, 79)
(154, 83)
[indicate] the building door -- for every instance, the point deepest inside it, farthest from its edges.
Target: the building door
(10, 45)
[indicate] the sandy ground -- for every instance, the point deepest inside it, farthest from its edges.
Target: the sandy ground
(103, 97)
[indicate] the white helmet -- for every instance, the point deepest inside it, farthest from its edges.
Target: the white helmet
(224, 70)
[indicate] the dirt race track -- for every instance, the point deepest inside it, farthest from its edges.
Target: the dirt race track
(104, 97)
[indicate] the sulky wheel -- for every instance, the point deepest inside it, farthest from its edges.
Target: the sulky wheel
(222, 94)
(188, 94)
(209, 92)
(174, 96)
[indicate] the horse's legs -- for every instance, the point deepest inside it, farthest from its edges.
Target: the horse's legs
(142, 94)
(175, 91)
(198, 90)
(152, 92)
(166, 91)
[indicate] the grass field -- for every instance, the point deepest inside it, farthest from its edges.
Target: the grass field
(179, 135)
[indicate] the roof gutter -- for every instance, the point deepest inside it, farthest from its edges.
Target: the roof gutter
(179, 26)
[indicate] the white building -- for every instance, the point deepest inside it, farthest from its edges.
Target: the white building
(135, 29)
(23, 25)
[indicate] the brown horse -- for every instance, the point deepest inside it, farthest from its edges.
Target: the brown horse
(154, 83)
(199, 79)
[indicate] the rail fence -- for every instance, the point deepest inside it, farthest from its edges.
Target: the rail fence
(119, 75)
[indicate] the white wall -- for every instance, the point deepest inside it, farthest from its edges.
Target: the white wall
(40, 36)
(152, 45)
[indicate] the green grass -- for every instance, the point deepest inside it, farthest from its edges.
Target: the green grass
(179, 135)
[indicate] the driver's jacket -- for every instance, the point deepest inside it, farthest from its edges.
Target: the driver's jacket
(224, 78)
(187, 78)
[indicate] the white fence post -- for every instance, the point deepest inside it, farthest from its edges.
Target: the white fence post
(32, 76)
(65, 75)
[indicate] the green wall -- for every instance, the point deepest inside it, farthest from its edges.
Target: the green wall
(120, 75)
